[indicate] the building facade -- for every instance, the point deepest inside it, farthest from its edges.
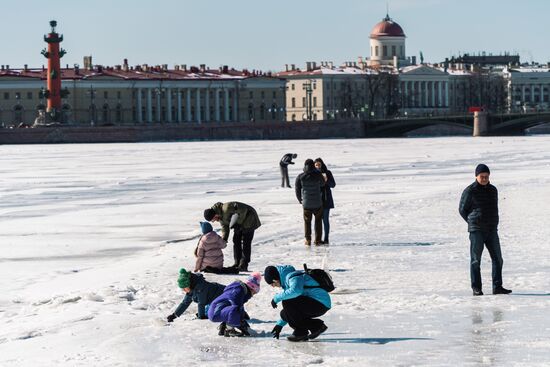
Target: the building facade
(528, 88)
(143, 94)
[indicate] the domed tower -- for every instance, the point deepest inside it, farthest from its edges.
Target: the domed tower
(387, 40)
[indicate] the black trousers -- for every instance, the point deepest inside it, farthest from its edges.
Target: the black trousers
(230, 270)
(318, 214)
(301, 313)
(242, 245)
(285, 182)
(478, 240)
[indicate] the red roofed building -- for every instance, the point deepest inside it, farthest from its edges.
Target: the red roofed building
(144, 94)
(387, 44)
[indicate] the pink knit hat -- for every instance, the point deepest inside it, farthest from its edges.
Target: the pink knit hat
(253, 282)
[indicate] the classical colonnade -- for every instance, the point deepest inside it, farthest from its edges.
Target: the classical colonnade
(425, 93)
(181, 99)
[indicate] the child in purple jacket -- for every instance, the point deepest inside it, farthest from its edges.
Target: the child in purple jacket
(228, 308)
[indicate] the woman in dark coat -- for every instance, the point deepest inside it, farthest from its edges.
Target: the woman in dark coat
(328, 202)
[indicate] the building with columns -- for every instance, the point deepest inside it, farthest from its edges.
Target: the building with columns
(144, 94)
(528, 88)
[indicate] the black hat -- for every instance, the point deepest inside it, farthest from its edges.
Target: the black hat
(270, 274)
(209, 214)
(482, 168)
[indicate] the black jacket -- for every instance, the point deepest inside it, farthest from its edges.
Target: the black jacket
(328, 201)
(202, 292)
(309, 186)
(479, 207)
(286, 160)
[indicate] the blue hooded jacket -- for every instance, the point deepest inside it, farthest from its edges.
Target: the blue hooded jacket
(293, 283)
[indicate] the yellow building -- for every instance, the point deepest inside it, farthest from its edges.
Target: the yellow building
(143, 94)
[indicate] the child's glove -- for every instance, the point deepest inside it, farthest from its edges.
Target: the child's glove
(171, 317)
(273, 303)
(276, 331)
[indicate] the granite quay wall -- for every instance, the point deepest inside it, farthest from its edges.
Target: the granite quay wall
(185, 132)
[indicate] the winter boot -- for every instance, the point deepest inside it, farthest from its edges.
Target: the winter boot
(244, 328)
(307, 242)
(297, 338)
(243, 266)
(315, 333)
(501, 290)
(221, 329)
(477, 292)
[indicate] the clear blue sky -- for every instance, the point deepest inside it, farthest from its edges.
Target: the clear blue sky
(265, 34)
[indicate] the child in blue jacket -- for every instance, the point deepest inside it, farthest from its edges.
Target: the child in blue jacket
(302, 299)
(197, 290)
(228, 308)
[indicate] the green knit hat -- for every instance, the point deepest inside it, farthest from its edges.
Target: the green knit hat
(184, 280)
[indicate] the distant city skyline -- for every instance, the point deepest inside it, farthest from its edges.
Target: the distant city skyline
(248, 35)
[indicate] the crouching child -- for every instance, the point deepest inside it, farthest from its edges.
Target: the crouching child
(197, 290)
(228, 308)
(303, 300)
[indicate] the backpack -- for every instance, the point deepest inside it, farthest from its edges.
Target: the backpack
(320, 276)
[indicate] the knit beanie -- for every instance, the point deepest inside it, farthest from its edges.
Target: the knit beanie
(206, 227)
(253, 282)
(209, 214)
(270, 274)
(184, 280)
(482, 168)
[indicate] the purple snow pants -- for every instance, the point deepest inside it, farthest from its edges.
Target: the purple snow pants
(224, 311)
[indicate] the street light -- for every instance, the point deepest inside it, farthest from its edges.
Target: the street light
(92, 93)
(308, 86)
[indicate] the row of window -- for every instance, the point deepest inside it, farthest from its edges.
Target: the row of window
(30, 95)
(385, 51)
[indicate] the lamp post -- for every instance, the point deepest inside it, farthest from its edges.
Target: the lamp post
(91, 92)
(308, 86)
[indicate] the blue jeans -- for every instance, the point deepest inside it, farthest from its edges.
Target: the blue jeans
(478, 240)
(326, 223)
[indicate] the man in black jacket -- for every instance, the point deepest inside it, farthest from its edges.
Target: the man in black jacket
(479, 208)
(283, 164)
(309, 185)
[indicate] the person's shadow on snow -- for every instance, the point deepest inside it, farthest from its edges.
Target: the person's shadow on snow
(364, 340)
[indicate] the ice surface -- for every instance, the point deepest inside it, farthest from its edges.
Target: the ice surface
(92, 237)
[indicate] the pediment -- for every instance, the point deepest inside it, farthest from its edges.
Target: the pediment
(422, 70)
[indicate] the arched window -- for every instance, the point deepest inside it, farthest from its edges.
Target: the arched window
(293, 117)
(375, 50)
(65, 113)
(105, 116)
(274, 111)
(262, 112)
(118, 116)
(250, 112)
(18, 114)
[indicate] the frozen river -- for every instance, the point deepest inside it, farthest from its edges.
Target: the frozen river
(88, 265)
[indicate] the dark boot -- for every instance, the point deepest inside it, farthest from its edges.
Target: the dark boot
(501, 290)
(221, 329)
(297, 338)
(243, 266)
(477, 292)
(315, 333)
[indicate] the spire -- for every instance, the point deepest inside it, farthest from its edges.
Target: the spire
(387, 18)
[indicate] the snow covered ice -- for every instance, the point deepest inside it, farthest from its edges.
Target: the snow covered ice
(92, 238)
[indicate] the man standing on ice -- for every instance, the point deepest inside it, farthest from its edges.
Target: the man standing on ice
(244, 220)
(308, 187)
(283, 164)
(479, 208)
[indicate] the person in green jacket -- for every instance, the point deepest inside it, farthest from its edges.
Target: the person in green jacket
(244, 220)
